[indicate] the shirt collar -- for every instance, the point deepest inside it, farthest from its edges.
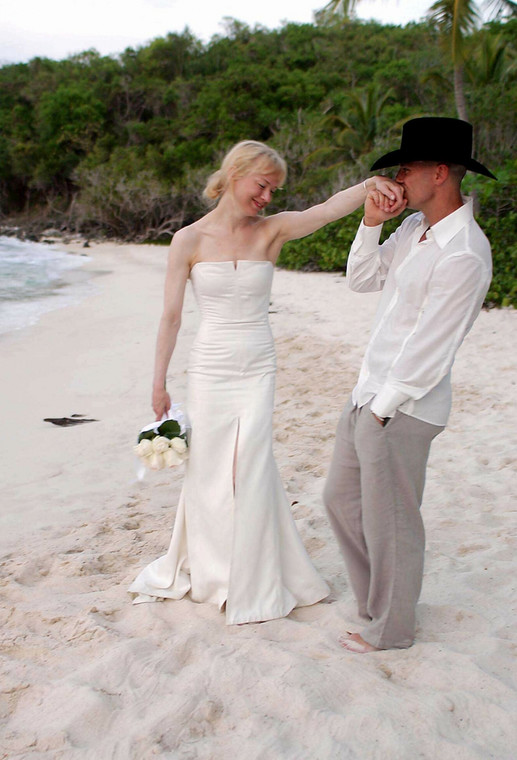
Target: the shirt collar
(444, 230)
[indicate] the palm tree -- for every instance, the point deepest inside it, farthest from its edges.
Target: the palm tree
(343, 9)
(491, 60)
(455, 20)
(360, 125)
(346, 8)
(356, 126)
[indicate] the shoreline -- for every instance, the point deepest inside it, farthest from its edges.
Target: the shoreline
(84, 673)
(72, 347)
(66, 283)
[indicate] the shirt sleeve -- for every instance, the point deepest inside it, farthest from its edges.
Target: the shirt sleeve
(456, 292)
(368, 262)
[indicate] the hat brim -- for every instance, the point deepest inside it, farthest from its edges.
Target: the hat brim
(397, 157)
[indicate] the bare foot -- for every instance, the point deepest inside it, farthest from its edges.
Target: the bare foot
(353, 642)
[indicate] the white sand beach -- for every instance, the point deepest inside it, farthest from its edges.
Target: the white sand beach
(85, 674)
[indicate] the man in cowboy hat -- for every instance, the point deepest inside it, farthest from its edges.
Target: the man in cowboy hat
(434, 272)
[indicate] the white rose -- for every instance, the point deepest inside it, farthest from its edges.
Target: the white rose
(156, 461)
(144, 448)
(172, 458)
(179, 445)
(160, 444)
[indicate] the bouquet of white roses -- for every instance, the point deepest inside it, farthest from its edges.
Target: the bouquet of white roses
(164, 444)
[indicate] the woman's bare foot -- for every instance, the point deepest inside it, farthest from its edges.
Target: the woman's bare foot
(353, 642)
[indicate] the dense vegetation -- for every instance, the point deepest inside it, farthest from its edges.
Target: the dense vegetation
(122, 146)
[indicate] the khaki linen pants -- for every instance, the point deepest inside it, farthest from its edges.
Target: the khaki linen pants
(373, 495)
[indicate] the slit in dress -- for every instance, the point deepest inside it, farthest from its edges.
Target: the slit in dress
(234, 465)
(222, 605)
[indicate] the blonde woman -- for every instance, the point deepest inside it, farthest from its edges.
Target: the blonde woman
(234, 541)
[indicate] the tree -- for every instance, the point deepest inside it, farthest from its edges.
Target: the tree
(357, 125)
(68, 120)
(455, 20)
(337, 8)
(490, 60)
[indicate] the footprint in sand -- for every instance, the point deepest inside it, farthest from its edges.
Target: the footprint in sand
(33, 572)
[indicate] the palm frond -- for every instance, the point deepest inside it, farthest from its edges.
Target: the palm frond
(455, 19)
(340, 9)
(499, 8)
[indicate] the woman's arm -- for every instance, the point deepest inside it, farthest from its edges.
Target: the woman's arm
(291, 225)
(178, 270)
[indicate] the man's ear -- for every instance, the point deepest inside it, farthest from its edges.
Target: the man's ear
(441, 174)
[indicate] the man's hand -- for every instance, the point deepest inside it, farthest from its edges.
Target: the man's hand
(381, 420)
(379, 207)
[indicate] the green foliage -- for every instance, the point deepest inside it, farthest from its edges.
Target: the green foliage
(123, 145)
(327, 249)
(125, 197)
(501, 233)
(498, 218)
(168, 429)
(354, 129)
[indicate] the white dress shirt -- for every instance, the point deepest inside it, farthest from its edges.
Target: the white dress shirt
(431, 294)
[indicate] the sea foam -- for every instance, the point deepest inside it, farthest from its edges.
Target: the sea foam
(34, 278)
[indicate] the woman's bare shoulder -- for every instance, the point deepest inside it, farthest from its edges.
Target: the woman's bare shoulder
(186, 240)
(189, 235)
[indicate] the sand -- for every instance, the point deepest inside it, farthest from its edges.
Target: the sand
(84, 674)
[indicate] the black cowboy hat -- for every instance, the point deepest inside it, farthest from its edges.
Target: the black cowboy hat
(435, 138)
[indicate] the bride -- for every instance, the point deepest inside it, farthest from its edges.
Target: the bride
(234, 541)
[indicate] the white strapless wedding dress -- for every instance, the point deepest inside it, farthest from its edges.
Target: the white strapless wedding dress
(234, 543)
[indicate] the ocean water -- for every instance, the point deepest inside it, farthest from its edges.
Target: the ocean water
(36, 278)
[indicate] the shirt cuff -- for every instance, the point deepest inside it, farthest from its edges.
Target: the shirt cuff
(387, 401)
(367, 235)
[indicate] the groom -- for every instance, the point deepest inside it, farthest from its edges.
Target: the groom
(434, 272)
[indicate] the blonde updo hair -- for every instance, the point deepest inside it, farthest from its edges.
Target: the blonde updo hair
(241, 158)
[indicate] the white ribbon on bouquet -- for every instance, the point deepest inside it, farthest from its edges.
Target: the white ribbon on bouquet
(175, 413)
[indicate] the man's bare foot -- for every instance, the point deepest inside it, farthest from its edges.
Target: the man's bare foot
(353, 642)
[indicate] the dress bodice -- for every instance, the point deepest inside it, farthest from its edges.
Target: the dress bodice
(234, 336)
(232, 292)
